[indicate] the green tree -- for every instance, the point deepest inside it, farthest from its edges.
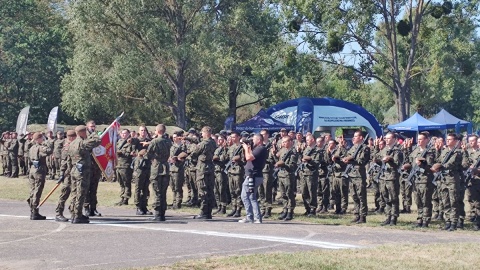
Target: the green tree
(375, 28)
(34, 47)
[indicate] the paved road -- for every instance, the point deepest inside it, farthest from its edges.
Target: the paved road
(121, 240)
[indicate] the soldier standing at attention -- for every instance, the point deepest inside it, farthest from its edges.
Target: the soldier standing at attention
(91, 199)
(177, 170)
(220, 156)
(358, 156)
(38, 155)
(450, 169)
(205, 173)
(236, 174)
(51, 159)
(158, 152)
(391, 160)
(423, 180)
(339, 190)
(286, 166)
(125, 152)
(309, 175)
(265, 190)
(64, 171)
(13, 154)
(472, 151)
(190, 169)
(323, 189)
(473, 188)
(57, 150)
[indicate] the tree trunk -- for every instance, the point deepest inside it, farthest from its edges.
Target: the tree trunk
(232, 99)
(181, 97)
(402, 113)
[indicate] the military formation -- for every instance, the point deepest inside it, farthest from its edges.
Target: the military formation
(436, 174)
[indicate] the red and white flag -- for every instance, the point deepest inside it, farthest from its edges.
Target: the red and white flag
(106, 153)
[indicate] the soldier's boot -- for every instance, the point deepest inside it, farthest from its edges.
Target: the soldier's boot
(419, 223)
(460, 224)
(94, 212)
(425, 223)
(158, 216)
(355, 219)
(125, 201)
(330, 207)
(319, 209)
(409, 209)
(324, 209)
(80, 221)
(435, 216)
(224, 210)
(268, 213)
(387, 221)
(146, 211)
(139, 212)
(61, 218)
(283, 214)
(440, 216)
(289, 215)
(393, 222)
(362, 219)
(447, 225)
(262, 212)
(36, 215)
(86, 211)
(453, 227)
(234, 210)
(476, 225)
(377, 206)
(381, 210)
(203, 215)
(307, 211)
(313, 212)
(238, 213)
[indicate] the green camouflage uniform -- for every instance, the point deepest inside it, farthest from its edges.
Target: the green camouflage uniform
(65, 169)
(221, 179)
(191, 174)
(38, 155)
(79, 152)
(158, 152)
(286, 178)
(358, 178)
(123, 168)
(177, 174)
(389, 180)
(309, 178)
(236, 175)
(450, 183)
(338, 184)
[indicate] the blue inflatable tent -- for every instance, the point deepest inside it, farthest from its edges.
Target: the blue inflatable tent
(416, 123)
(262, 121)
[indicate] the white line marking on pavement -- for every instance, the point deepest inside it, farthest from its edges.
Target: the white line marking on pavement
(296, 241)
(60, 227)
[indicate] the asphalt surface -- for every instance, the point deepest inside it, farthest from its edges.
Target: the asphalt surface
(119, 239)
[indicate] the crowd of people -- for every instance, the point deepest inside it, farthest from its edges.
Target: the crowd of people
(227, 172)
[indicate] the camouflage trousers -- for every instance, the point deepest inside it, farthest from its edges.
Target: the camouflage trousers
(406, 192)
(340, 193)
(389, 192)
(140, 177)
(79, 191)
(190, 176)
(323, 191)
(437, 204)
(473, 197)
(124, 178)
(221, 188)
(423, 198)
(449, 196)
(159, 187)
(235, 182)
(358, 188)
(36, 179)
(309, 189)
(206, 187)
(288, 187)
(265, 190)
(64, 194)
(91, 198)
(177, 179)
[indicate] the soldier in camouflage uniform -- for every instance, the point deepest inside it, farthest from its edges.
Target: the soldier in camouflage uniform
(323, 189)
(236, 174)
(4, 152)
(391, 158)
(21, 153)
(473, 190)
(177, 170)
(265, 190)
(220, 157)
(158, 153)
(286, 164)
(424, 158)
(374, 176)
(51, 159)
(79, 151)
(449, 164)
(13, 155)
(308, 172)
(339, 185)
(437, 210)
(38, 154)
(125, 152)
(91, 201)
(358, 156)
(205, 173)
(472, 159)
(64, 175)
(141, 171)
(57, 150)
(191, 171)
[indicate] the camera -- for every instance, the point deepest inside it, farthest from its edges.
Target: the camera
(247, 141)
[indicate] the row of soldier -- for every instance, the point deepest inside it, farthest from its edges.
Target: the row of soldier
(323, 170)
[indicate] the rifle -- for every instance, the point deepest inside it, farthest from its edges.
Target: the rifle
(350, 166)
(469, 173)
(383, 166)
(330, 170)
(230, 162)
(438, 175)
(302, 165)
(416, 170)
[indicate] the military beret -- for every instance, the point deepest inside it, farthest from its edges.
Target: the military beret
(71, 133)
(182, 155)
(142, 152)
(80, 128)
(37, 135)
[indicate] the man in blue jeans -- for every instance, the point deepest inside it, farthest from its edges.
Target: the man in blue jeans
(255, 155)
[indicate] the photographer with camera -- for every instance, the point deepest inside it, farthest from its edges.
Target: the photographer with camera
(256, 156)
